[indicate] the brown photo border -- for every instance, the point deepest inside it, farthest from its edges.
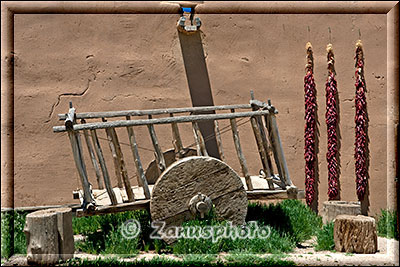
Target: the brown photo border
(10, 8)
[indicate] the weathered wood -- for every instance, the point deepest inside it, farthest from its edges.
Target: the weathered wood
(261, 150)
(331, 209)
(103, 166)
(49, 236)
(239, 153)
(93, 158)
(157, 148)
(112, 135)
(275, 140)
(180, 119)
(187, 177)
(176, 139)
(117, 168)
(142, 181)
(219, 140)
(152, 172)
(137, 205)
(80, 165)
(355, 234)
(200, 144)
(123, 113)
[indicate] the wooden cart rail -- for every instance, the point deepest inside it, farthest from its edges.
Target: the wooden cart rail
(267, 139)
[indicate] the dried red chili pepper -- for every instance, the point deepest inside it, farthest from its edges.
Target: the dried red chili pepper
(361, 130)
(331, 117)
(310, 99)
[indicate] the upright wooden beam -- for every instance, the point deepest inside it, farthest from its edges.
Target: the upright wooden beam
(177, 141)
(200, 144)
(275, 140)
(219, 141)
(114, 155)
(139, 168)
(80, 165)
(93, 157)
(157, 148)
(103, 166)
(239, 152)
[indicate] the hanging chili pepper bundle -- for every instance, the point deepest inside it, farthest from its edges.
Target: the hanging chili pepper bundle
(361, 120)
(310, 99)
(331, 117)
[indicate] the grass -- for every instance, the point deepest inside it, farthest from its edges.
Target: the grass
(235, 260)
(387, 224)
(290, 216)
(325, 238)
(9, 220)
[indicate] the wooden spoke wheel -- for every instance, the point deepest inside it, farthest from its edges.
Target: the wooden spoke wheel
(152, 172)
(176, 194)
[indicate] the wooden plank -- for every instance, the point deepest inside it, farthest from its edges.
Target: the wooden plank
(200, 144)
(157, 148)
(219, 140)
(93, 158)
(103, 166)
(137, 205)
(180, 119)
(239, 152)
(275, 140)
(121, 165)
(80, 165)
(261, 150)
(177, 141)
(142, 181)
(124, 113)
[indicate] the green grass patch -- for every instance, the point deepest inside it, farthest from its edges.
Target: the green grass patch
(236, 260)
(290, 216)
(387, 224)
(325, 238)
(12, 220)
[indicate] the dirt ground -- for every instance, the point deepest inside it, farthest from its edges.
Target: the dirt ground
(387, 255)
(116, 62)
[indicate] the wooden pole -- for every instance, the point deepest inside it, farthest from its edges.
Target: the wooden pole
(167, 120)
(139, 168)
(219, 140)
(177, 141)
(275, 140)
(239, 152)
(201, 146)
(114, 155)
(121, 164)
(157, 148)
(103, 166)
(93, 158)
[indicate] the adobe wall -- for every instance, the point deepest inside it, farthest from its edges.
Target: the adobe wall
(116, 62)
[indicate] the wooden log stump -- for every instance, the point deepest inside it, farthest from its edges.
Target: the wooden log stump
(331, 209)
(355, 234)
(49, 236)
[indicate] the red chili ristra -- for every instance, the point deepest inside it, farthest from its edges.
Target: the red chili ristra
(361, 121)
(310, 99)
(331, 117)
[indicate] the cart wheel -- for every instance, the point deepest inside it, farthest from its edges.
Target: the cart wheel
(152, 172)
(189, 187)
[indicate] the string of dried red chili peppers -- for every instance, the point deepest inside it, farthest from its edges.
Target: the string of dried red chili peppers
(361, 120)
(310, 99)
(331, 117)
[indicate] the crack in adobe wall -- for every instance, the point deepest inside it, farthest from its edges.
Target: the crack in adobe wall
(53, 107)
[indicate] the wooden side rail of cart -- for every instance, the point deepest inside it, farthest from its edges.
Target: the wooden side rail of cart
(264, 126)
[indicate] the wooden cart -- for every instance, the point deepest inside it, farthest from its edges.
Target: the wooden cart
(180, 185)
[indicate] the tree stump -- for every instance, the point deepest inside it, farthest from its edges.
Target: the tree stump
(331, 209)
(49, 236)
(355, 234)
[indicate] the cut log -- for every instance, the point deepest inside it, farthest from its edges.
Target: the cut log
(49, 236)
(355, 234)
